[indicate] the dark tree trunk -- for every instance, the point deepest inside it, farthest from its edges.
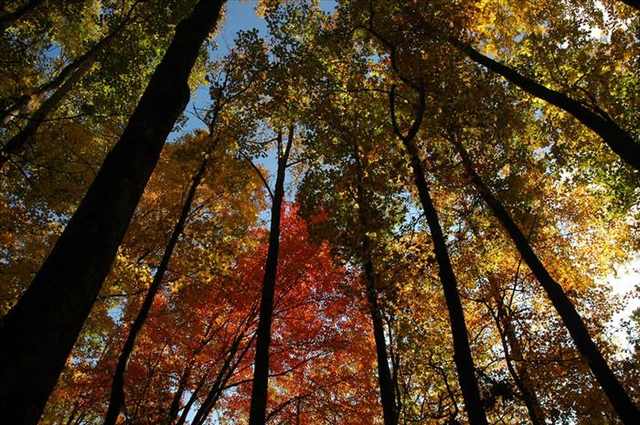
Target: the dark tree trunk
(62, 85)
(616, 393)
(117, 399)
(192, 399)
(228, 368)
(619, 140)
(37, 335)
(258, 408)
(462, 351)
(8, 19)
(174, 407)
(18, 142)
(385, 381)
(513, 352)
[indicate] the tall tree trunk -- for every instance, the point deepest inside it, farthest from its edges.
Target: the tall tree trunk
(619, 140)
(18, 142)
(21, 105)
(174, 407)
(258, 408)
(228, 368)
(116, 401)
(513, 352)
(8, 19)
(614, 390)
(62, 84)
(37, 335)
(462, 351)
(385, 381)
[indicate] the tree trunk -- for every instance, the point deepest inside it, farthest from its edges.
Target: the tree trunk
(9, 19)
(116, 401)
(385, 381)
(258, 408)
(174, 407)
(62, 84)
(619, 140)
(513, 352)
(38, 94)
(18, 142)
(462, 351)
(616, 393)
(192, 399)
(38, 333)
(220, 382)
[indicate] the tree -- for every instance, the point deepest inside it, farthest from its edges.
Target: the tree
(261, 369)
(36, 337)
(462, 356)
(60, 86)
(435, 229)
(619, 140)
(610, 384)
(117, 389)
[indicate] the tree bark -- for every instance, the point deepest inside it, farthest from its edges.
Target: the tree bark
(117, 398)
(258, 407)
(462, 351)
(385, 381)
(614, 390)
(37, 335)
(619, 140)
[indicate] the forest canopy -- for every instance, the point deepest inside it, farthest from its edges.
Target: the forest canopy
(314, 212)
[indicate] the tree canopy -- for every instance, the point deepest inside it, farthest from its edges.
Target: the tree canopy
(359, 212)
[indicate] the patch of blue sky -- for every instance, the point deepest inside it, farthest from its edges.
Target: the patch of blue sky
(240, 16)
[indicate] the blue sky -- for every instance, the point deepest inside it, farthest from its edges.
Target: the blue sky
(240, 15)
